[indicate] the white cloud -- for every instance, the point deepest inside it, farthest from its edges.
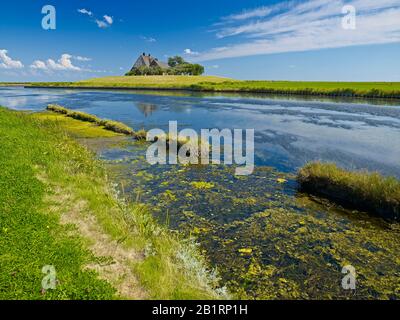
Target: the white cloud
(85, 11)
(80, 58)
(148, 39)
(304, 26)
(101, 24)
(39, 65)
(108, 19)
(255, 13)
(62, 64)
(8, 63)
(190, 52)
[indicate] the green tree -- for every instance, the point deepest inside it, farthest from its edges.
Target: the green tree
(197, 69)
(175, 61)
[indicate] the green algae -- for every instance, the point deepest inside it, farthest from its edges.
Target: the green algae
(267, 240)
(202, 185)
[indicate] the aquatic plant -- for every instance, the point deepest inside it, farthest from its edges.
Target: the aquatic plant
(298, 243)
(362, 190)
(202, 185)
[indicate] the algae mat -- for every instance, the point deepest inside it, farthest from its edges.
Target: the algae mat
(266, 240)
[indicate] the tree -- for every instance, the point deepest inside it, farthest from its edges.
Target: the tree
(175, 61)
(197, 69)
(187, 69)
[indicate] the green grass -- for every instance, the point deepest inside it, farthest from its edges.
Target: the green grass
(76, 128)
(13, 84)
(362, 190)
(333, 89)
(152, 81)
(139, 82)
(32, 236)
(114, 126)
(217, 84)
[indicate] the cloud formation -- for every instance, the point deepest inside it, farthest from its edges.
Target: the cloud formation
(102, 23)
(85, 11)
(148, 39)
(108, 19)
(7, 62)
(189, 52)
(303, 26)
(62, 64)
(106, 22)
(83, 59)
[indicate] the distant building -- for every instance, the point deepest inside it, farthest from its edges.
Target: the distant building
(148, 61)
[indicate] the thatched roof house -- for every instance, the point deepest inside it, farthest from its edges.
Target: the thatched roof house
(148, 61)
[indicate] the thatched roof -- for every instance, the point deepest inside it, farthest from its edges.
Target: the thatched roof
(149, 61)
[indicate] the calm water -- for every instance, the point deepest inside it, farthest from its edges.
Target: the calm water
(267, 240)
(289, 132)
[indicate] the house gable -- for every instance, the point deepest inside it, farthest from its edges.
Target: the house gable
(148, 61)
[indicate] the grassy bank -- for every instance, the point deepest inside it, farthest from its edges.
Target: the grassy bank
(76, 128)
(217, 84)
(113, 126)
(58, 208)
(139, 82)
(13, 84)
(361, 190)
(332, 89)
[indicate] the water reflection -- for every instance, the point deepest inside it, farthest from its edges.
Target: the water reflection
(147, 108)
(289, 130)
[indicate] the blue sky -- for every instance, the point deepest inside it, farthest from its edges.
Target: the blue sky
(244, 39)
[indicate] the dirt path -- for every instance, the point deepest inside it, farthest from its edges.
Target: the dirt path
(117, 269)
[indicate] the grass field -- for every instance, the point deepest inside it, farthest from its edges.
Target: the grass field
(217, 84)
(139, 82)
(58, 208)
(362, 89)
